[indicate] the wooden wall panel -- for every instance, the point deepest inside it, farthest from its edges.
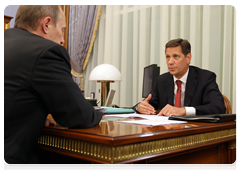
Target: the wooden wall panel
(65, 9)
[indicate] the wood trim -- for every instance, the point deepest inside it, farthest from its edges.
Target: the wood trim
(157, 144)
(90, 136)
(136, 151)
(232, 155)
(65, 9)
(7, 20)
(227, 105)
(66, 30)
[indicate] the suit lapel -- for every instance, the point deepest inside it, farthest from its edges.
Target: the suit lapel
(190, 86)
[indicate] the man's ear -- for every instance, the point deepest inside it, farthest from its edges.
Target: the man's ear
(189, 57)
(45, 24)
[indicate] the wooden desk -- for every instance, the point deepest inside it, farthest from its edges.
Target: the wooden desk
(112, 142)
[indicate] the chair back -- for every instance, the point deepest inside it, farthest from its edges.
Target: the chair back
(227, 105)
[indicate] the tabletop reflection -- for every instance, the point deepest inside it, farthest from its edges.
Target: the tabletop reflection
(111, 127)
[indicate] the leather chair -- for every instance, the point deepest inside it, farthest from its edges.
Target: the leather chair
(227, 105)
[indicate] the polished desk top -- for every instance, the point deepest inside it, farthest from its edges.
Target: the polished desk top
(114, 142)
(110, 132)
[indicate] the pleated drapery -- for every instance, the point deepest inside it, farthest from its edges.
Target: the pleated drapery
(83, 23)
(131, 37)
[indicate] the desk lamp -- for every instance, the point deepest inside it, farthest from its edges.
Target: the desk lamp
(106, 74)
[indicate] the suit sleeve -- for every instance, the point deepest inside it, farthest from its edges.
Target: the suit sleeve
(155, 95)
(52, 81)
(212, 99)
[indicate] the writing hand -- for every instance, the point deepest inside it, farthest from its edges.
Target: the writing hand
(145, 108)
(169, 110)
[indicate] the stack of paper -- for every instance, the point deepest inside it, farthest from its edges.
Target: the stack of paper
(149, 120)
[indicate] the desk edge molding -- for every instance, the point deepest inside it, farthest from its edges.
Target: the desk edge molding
(114, 154)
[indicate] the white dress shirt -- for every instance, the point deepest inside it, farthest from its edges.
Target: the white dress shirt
(183, 79)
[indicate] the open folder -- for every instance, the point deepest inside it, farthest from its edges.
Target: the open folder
(206, 118)
(113, 110)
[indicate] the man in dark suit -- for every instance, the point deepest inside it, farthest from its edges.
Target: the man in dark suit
(198, 91)
(38, 81)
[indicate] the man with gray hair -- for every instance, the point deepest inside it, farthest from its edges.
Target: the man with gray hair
(38, 81)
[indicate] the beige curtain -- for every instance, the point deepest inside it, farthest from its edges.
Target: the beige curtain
(133, 36)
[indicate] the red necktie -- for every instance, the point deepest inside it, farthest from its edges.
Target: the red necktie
(178, 95)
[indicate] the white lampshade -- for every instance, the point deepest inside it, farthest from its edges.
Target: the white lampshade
(105, 72)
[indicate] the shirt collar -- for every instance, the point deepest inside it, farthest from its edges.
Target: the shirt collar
(183, 78)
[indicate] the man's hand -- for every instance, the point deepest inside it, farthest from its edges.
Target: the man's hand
(50, 121)
(145, 108)
(169, 110)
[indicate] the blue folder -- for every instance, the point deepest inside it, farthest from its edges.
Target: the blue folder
(113, 110)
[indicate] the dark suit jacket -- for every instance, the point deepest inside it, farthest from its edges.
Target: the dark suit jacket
(38, 81)
(201, 92)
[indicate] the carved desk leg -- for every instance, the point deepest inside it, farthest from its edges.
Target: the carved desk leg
(233, 144)
(233, 154)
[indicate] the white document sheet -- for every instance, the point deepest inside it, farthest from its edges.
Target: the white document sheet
(151, 120)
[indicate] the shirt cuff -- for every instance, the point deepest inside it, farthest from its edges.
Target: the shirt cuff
(190, 111)
(135, 107)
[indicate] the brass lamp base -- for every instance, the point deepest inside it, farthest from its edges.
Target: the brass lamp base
(105, 87)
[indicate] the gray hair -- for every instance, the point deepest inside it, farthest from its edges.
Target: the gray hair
(29, 16)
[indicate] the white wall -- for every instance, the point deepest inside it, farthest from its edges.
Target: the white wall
(131, 37)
